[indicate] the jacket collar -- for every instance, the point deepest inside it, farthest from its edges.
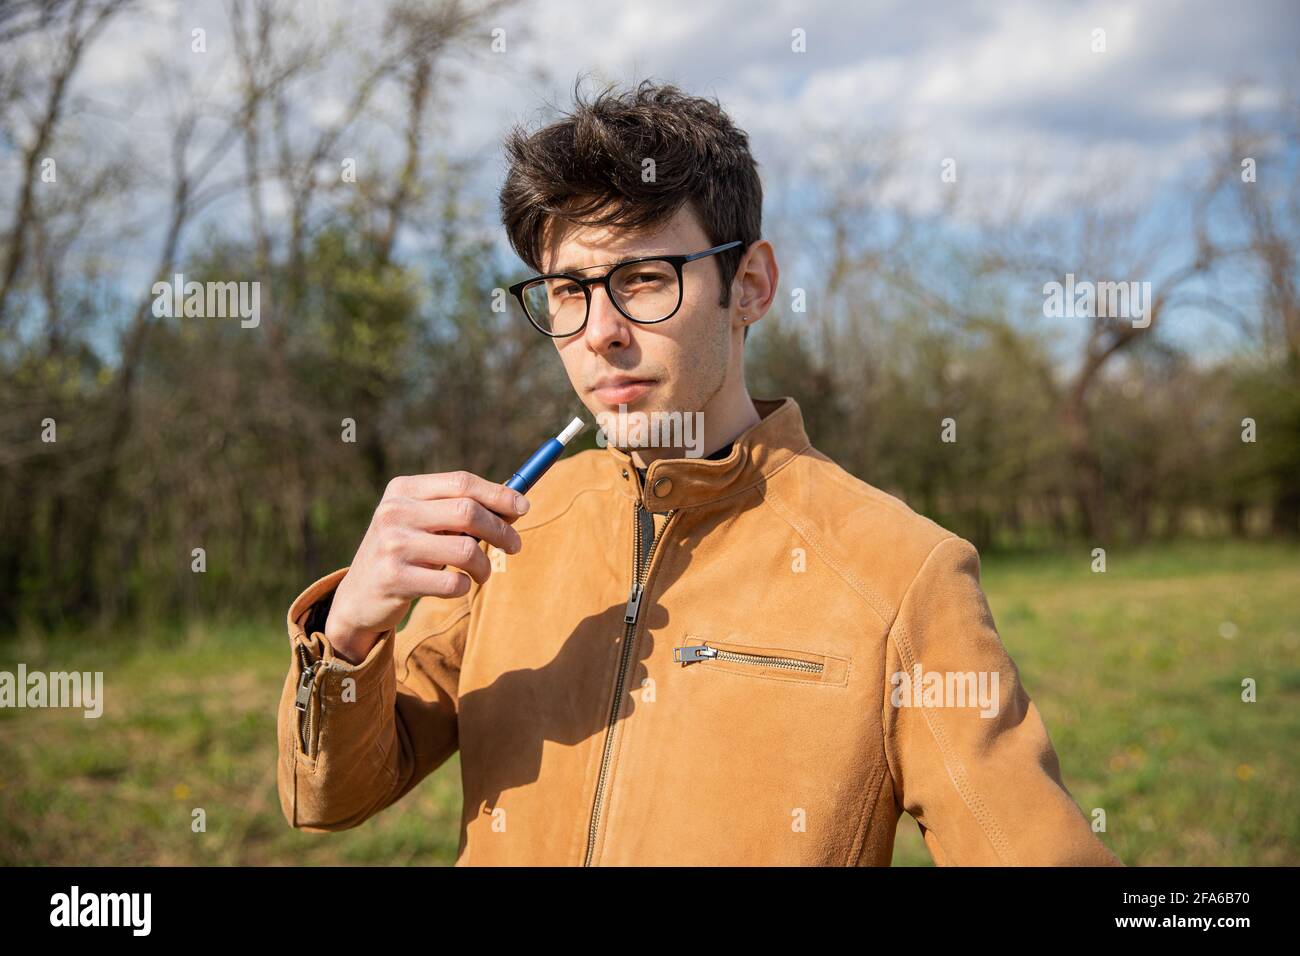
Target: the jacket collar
(757, 453)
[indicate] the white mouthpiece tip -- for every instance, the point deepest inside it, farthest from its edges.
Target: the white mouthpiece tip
(570, 430)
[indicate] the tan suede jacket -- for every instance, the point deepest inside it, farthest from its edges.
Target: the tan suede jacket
(751, 660)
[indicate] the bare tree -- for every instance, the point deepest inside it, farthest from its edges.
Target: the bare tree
(76, 25)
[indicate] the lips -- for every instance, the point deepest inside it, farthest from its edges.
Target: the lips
(623, 390)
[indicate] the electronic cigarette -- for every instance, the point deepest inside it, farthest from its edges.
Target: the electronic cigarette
(541, 460)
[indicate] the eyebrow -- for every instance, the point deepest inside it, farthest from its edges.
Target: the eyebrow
(603, 265)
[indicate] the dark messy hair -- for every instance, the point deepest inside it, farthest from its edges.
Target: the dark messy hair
(586, 169)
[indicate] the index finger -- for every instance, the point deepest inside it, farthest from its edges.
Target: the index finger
(461, 484)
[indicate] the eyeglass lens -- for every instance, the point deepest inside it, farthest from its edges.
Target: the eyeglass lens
(646, 291)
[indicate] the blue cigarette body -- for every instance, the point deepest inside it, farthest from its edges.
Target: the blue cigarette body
(540, 461)
(536, 466)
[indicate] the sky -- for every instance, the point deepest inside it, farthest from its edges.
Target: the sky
(996, 84)
(1013, 91)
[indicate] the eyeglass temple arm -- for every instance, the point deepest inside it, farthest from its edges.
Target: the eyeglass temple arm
(708, 252)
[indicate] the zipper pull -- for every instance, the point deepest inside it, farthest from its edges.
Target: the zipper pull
(694, 652)
(633, 605)
(304, 685)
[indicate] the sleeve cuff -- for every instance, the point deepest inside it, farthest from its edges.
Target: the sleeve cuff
(317, 645)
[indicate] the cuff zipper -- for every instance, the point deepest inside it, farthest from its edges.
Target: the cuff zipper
(310, 668)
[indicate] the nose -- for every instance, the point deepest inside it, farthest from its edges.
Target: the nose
(607, 328)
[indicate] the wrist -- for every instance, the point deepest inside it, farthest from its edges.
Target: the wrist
(349, 643)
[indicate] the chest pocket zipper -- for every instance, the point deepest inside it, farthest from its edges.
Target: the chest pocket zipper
(702, 652)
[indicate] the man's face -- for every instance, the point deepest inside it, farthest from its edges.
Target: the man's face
(675, 365)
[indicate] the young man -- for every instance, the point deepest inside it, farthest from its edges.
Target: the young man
(734, 653)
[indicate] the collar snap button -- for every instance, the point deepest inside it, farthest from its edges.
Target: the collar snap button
(663, 487)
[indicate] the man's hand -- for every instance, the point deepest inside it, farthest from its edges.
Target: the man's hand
(419, 531)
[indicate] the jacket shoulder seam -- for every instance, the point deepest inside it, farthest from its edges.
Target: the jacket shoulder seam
(879, 606)
(560, 514)
(878, 497)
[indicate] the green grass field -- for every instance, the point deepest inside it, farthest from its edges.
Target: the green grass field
(1136, 671)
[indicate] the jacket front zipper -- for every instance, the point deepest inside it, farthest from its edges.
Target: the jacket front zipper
(303, 701)
(642, 555)
(701, 652)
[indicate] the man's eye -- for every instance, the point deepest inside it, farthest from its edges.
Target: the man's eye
(565, 289)
(645, 278)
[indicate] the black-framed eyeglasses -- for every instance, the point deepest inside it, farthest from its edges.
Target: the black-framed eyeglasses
(646, 290)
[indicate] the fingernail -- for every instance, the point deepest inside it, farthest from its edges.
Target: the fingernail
(521, 503)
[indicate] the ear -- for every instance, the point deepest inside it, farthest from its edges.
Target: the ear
(756, 281)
